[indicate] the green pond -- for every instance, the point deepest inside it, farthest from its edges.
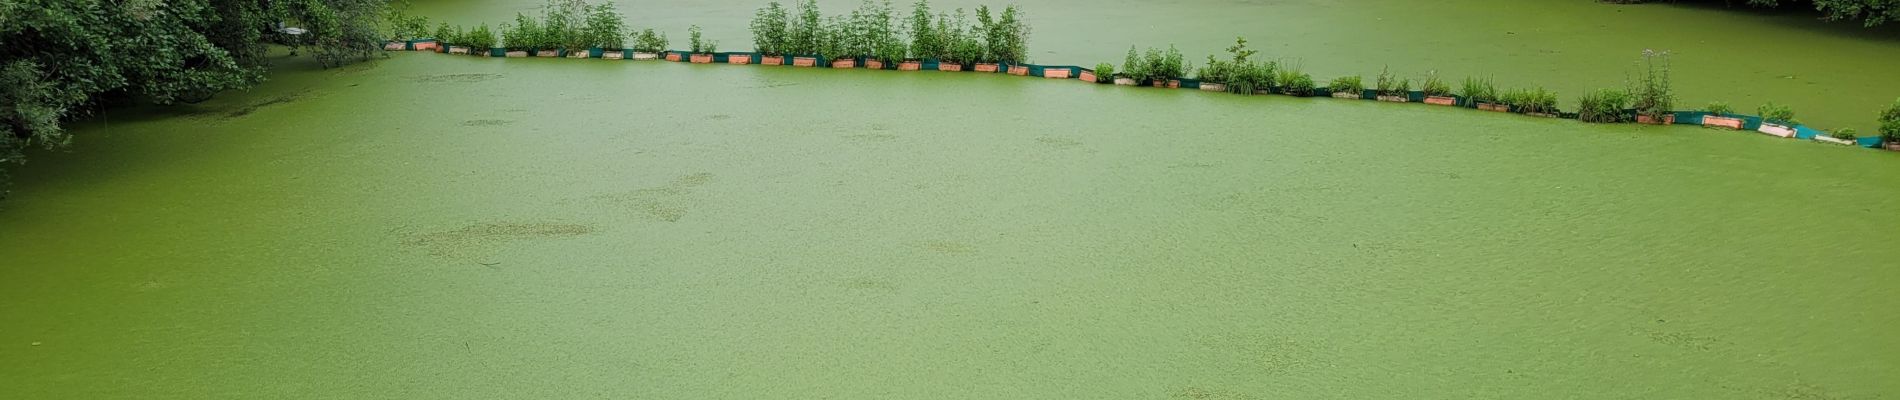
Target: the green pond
(429, 226)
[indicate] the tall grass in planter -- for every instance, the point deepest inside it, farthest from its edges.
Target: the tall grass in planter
(1437, 92)
(1295, 82)
(1347, 87)
(1653, 96)
(1482, 94)
(1393, 89)
(1603, 106)
(702, 50)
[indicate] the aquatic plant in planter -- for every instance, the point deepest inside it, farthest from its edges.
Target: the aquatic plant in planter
(1843, 136)
(805, 35)
(1890, 126)
(770, 25)
(1391, 89)
(606, 31)
(564, 26)
(648, 44)
(1653, 98)
(1437, 92)
(1483, 94)
(1131, 72)
(1537, 103)
(445, 37)
(521, 37)
(1005, 39)
(1721, 116)
(1776, 120)
(1294, 82)
(702, 50)
(1214, 75)
(1163, 69)
(1103, 73)
(1238, 75)
(1603, 106)
(1347, 87)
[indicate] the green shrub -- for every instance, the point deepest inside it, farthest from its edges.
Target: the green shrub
(1844, 134)
(1295, 82)
(1479, 91)
(1890, 122)
(1132, 66)
(564, 25)
(649, 42)
(769, 27)
(1776, 113)
(1721, 109)
(606, 28)
(1603, 106)
(1653, 96)
(1538, 101)
(1434, 86)
(525, 33)
(483, 38)
(1158, 65)
(1005, 39)
(403, 26)
(1104, 72)
(1348, 84)
(444, 34)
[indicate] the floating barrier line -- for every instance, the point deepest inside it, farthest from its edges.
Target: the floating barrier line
(1736, 122)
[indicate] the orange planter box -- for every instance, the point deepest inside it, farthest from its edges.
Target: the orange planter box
(873, 64)
(674, 57)
(1058, 73)
(1171, 83)
(950, 67)
(702, 59)
(422, 46)
(1018, 70)
(845, 63)
(982, 67)
(578, 54)
(740, 59)
(1665, 120)
(772, 60)
(910, 66)
(1494, 107)
(1441, 100)
(804, 62)
(1722, 122)
(1088, 76)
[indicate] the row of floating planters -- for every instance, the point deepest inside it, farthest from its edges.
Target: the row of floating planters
(1701, 118)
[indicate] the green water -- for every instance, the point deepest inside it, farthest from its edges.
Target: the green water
(447, 227)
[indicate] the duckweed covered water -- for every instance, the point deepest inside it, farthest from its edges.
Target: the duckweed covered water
(446, 227)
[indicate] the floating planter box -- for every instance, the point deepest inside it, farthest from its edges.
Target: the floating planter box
(1893, 146)
(1441, 100)
(1494, 107)
(985, 67)
(1776, 130)
(425, 46)
(1018, 70)
(1213, 87)
(1722, 122)
(1171, 83)
(1541, 115)
(1126, 81)
(804, 62)
(614, 55)
(1394, 98)
(517, 54)
(547, 53)
(1341, 95)
(702, 59)
(844, 63)
(1831, 139)
(458, 50)
(772, 60)
(1089, 76)
(395, 46)
(1055, 73)
(639, 56)
(910, 65)
(674, 57)
(873, 64)
(577, 54)
(949, 67)
(1665, 120)
(740, 59)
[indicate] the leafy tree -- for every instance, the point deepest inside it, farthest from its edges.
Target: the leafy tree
(606, 28)
(808, 31)
(924, 38)
(769, 29)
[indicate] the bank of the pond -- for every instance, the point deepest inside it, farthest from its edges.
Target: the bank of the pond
(1740, 122)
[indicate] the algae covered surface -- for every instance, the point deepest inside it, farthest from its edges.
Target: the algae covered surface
(430, 226)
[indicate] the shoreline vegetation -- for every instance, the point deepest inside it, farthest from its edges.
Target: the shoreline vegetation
(65, 59)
